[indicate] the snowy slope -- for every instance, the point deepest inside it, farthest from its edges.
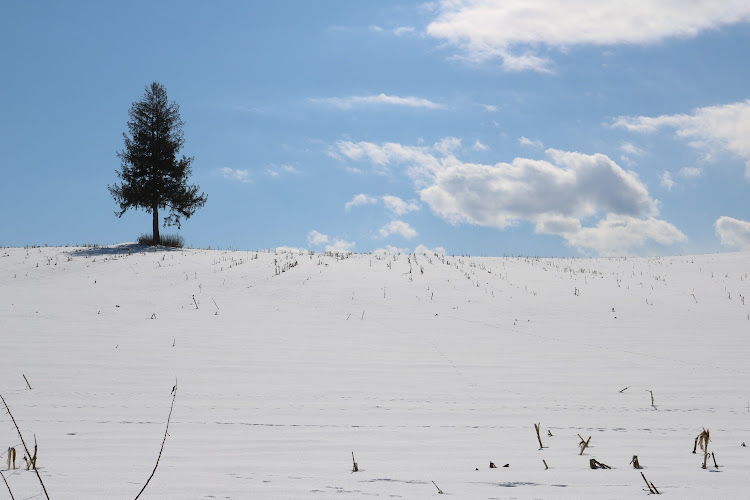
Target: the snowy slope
(427, 367)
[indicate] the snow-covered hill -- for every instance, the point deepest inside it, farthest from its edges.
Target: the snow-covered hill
(427, 367)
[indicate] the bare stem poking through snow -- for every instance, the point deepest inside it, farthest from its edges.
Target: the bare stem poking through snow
(25, 447)
(166, 433)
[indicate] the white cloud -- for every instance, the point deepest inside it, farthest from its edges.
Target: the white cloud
(447, 145)
(235, 174)
(403, 30)
(517, 31)
(666, 181)
(398, 227)
(399, 206)
(347, 103)
(690, 172)
(315, 238)
(616, 234)
(578, 185)
(423, 250)
(709, 129)
(340, 245)
(490, 108)
(557, 195)
(381, 157)
(478, 146)
(358, 200)
(525, 141)
(733, 232)
(393, 203)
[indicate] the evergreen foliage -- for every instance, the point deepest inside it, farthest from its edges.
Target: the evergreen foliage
(153, 178)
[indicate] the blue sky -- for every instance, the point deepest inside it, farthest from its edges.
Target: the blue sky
(484, 127)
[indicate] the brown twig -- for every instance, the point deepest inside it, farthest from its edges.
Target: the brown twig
(651, 486)
(166, 433)
(595, 464)
(584, 444)
(25, 447)
(27, 381)
(536, 427)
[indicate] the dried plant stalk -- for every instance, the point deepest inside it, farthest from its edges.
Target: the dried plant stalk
(44, 489)
(166, 433)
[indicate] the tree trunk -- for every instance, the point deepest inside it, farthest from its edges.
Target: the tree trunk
(155, 234)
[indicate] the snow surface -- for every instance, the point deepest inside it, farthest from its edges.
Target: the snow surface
(426, 368)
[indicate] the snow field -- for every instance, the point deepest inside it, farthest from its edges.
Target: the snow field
(426, 376)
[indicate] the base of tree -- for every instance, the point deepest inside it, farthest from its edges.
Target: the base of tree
(167, 240)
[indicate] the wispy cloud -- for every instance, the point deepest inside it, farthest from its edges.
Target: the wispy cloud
(534, 143)
(394, 204)
(278, 170)
(631, 149)
(404, 30)
(359, 200)
(690, 172)
(666, 181)
(234, 174)
(351, 102)
(710, 129)
(517, 32)
(478, 146)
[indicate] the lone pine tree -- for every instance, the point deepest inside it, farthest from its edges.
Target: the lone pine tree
(153, 178)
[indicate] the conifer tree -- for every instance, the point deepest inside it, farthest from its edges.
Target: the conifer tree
(153, 178)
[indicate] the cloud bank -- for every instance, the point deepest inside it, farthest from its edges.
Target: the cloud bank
(556, 196)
